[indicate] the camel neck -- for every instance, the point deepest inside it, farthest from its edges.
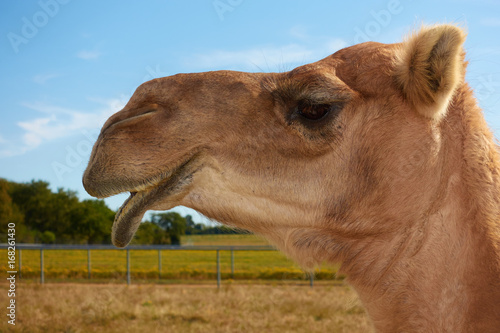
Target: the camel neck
(443, 272)
(446, 277)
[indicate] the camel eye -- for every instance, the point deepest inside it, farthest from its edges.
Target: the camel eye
(313, 111)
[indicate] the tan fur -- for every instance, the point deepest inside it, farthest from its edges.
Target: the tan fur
(399, 182)
(429, 67)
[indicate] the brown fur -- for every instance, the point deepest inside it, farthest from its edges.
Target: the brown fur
(429, 67)
(399, 182)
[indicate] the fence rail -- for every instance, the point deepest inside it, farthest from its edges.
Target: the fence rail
(159, 248)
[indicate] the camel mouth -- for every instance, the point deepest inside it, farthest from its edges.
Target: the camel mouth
(141, 199)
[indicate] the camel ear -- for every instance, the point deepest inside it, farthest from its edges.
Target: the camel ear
(429, 67)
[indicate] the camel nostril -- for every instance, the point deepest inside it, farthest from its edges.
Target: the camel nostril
(129, 115)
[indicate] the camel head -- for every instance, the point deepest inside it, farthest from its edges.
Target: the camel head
(318, 155)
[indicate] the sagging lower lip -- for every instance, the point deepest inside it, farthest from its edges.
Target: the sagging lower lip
(128, 219)
(129, 216)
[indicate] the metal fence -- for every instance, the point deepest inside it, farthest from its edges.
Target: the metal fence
(159, 248)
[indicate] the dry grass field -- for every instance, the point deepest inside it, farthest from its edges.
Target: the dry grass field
(73, 308)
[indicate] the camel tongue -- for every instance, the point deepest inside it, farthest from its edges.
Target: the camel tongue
(127, 221)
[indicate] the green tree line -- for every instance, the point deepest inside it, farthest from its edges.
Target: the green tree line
(44, 216)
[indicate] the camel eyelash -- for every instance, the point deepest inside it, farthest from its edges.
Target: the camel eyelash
(289, 90)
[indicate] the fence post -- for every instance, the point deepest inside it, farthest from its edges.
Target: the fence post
(128, 266)
(232, 264)
(218, 269)
(88, 262)
(20, 263)
(311, 279)
(42, 274)
(159, 264)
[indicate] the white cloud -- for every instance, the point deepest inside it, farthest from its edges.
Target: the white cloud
(269, 58)
(88, 55)
(299, 32)
(492, 22)
(58, 122)
(43, 78)
(37, 130)
(86, 35)
(258, 58)
(47, 108)
(334, 45)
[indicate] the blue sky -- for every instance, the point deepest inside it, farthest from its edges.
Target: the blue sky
(67, 65)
